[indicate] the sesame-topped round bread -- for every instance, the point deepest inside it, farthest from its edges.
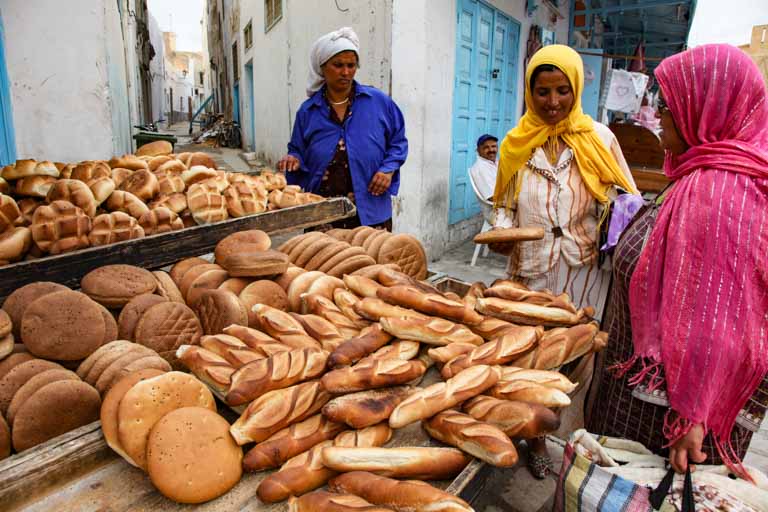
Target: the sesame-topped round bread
(115, 285)
(64, 325)
(191, 457)
(18, 301)
(52, 410)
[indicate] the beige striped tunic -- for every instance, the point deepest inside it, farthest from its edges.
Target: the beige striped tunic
(553, 196)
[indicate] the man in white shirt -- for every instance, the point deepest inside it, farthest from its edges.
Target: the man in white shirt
(483, 171)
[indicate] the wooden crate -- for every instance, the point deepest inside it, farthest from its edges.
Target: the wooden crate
(159, 250)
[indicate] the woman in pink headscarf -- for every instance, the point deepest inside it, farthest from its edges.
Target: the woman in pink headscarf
(698, 261)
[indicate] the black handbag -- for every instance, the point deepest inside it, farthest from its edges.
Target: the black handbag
(661, 492)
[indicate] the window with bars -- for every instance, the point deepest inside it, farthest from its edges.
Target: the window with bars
(235, 63)
(273, 12)
(248, 35)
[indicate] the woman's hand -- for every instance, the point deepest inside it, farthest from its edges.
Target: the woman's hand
(288, 163)
(688, 448)
(380, 183)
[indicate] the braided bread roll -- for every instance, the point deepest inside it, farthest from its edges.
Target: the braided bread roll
(372, 374)
(429, 330)
(482, 440)
(561, 346)
(210, 368)
(500, 351)
(518, 420)
(349, 352)
(429, 304)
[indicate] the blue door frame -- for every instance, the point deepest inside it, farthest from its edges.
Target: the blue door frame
(484, 94)
(7, 139)
(236, 102)
(249, 84)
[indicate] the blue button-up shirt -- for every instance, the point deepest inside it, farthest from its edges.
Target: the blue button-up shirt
(374, 135)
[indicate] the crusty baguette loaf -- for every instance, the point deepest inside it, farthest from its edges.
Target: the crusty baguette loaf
(430, 330)
(530, 314)
(424, 463)
(306, 472)
(429, 304)
(326, 308)
(276, 372)
(500, 351)
(375, 309)
(448, 352)
(366, 408)
(440, 396)
(401, 495)
(370, 339)
(476, 290)
(550, 379)
(213, 370)
(403, 349)
(482, 440)
(321, 329)
(491, 328)
(506, 235)
(324, 501)
(391, 277)
(256, 340)
(514, 291)
(561, 346)
(283, 327)
(531, 392)
(291, 441)
(278, 409)
(345, 300)
(372, 374)
(519, 420)
(361, 286)
(234, 351)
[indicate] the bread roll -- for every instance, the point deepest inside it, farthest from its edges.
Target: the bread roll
(500, 351)
(561, 346)
(375, 309)
(207, 366)
(206, 204)
(531, 392)
(169, 184)
(243, 199)
(323, 501)
(282, 327)
(291, 441)
(398, 495)
(322, 330)
(109, 228)
(519, 420)
(448, 352)
(321, 306)
(530, 314)
(276, 372)
(429, 304)
(23, 168)
(366, 408)
(440, 396)
(372, 374)
(482, 440)
(14, 243)
(60, 227)
(352, 350)
(422, 463)
(160, 220)
(155, 148)
(126, 202)
(142, 184)
(263, 292)
(35, 186)
(299, 286)
(278, 409)
(74, 191)
(256, 264)
(432, 331)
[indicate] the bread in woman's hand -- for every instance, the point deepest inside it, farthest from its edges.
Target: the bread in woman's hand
(424, 463)
(482, 440)
(519, 420)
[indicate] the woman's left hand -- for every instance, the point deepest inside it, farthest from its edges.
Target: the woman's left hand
(688, 448)
(380, 183)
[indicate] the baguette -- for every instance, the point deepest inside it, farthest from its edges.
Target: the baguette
(476, 290)
(366, 408)
(291, 441)
(479, 439)
(326, 308)
(519, 420)
(561, 346)
(499, 351)
(283, 327)
(408, 495)
(491, 328)
(277, 409)
(514, 291)
(234, 351)
(276, 372)
(530, 314)
(550, 379)
(362, 286)
(370, 339)
(432, 331)
(213, 370)
(506, 235)
(404, 349)
(345, 301)
(391, 277)
(423, 463)
(448, 352)
(257, 340)
(376, 309)
(372, 374)
(320, 329)
(440, 396)
(324, 501)
(306, 472)
(531, 392)
(429, 304)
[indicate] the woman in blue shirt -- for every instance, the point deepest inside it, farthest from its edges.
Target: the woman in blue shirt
(348, 139)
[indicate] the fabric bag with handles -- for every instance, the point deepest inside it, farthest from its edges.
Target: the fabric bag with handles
(592, 479)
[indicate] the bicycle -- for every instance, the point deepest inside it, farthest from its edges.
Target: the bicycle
(229, 135)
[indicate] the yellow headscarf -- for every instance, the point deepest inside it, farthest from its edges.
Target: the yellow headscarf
(597, 166)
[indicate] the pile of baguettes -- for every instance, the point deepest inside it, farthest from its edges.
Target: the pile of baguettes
(324, 385)
(53, 208)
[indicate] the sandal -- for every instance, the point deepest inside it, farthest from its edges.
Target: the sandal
(539, 465)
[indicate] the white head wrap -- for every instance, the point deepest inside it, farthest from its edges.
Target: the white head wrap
(326, 47)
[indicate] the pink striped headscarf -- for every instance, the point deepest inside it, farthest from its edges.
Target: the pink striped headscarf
(699, 294)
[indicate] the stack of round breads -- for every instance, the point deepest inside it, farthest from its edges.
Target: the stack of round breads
(166, 424)
(54, 208)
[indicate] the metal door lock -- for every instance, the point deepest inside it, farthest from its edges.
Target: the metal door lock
(495, 73)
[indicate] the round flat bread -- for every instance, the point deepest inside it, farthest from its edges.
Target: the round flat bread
(110, 326)
(107, 377)
(351, 265)
(18, 376)
(328, 251)
(373, 236)
(167, 326)
(312, 249)
(5, 439)
(32, 385)
(263, 292)
(52, 410)
(6, 346)
(111, 402)
(286, 278)
(218, 309)
(166, 288)
(89, 361)
(192, 274)
(250, 240)
(191, 457)
(235, 284)
(180, 268)
(298, 249)
(209, 280)
(341, 256)
(361, 235)
(148, 401)
(17, 302)
(63, 325)
(375, 246)
(407, 252)
(13, 360)
(105, 358)
(114, 285)
(372, 271)
(132, 312)
(287, 246)
(6, 325)
(345, 235)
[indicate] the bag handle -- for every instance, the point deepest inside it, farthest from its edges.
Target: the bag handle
(659, 494)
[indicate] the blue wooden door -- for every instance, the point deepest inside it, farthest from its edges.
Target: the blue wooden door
(7, 141)
(484, 95)
(593, 74)
(236, 103)
(251, 105)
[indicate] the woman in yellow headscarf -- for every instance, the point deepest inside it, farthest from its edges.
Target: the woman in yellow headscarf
(559, 170)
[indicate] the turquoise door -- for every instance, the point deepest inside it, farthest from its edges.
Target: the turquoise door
(252, 104)
(484, 93)
(236, 103)
(7, 141)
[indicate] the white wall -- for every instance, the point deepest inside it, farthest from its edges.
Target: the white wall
(68, 80)
(157, 70)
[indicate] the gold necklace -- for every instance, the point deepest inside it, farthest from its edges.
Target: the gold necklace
(338, 102)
